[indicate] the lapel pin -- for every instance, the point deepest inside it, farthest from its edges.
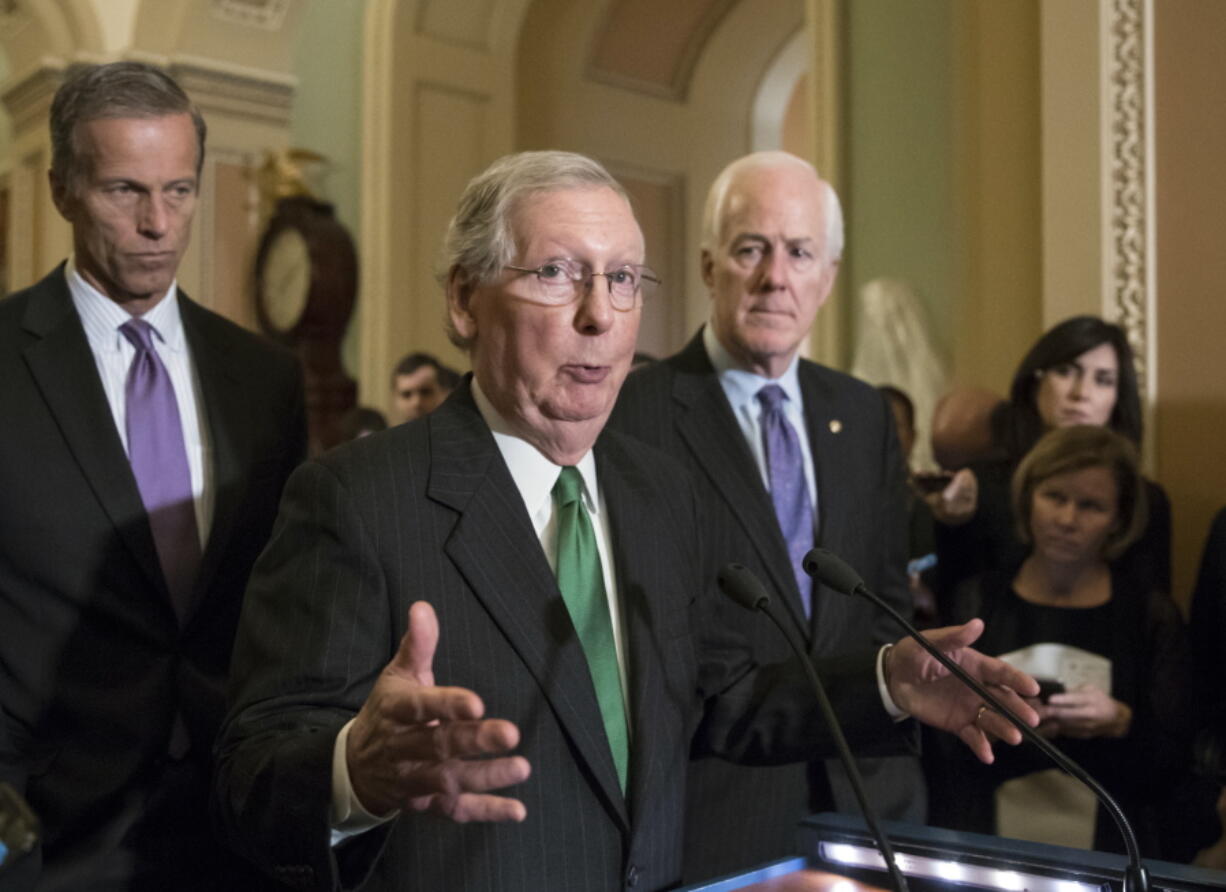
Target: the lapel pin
(835, 426)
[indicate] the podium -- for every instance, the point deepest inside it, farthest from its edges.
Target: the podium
(835, 846)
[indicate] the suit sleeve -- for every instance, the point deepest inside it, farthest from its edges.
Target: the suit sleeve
(314, 634)
(758, 714)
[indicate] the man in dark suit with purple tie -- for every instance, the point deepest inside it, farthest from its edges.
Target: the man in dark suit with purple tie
(504, 594)
(788, 454)
(146, 444)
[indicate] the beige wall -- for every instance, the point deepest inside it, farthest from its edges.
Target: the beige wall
(1190, 145)
(943, 158)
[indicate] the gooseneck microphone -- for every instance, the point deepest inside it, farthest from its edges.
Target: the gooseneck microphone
(831, 570)
(740, 584)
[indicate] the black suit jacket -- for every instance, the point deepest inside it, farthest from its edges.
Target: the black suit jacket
(428, 510)
(679, 406)
(95, 665)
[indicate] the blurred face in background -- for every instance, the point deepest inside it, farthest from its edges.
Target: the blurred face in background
(1073, 514)
(418, 393)
(1082, 391)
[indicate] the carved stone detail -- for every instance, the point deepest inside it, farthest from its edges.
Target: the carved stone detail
(266, 14)
(1126, 158)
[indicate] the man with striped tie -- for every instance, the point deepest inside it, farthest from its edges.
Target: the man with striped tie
(504, 594)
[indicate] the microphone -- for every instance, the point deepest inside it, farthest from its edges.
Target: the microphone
(831, 570)
(740, 584)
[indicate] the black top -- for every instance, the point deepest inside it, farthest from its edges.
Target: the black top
(1143, 636)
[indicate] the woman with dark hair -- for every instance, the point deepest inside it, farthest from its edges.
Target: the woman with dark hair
(1079, 372)
(1112, 651)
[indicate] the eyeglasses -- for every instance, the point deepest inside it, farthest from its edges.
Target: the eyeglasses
(559, 282)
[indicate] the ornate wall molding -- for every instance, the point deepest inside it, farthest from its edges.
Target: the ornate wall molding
(27, 97)
(245, 93)
(1127, 178)
(266, 14)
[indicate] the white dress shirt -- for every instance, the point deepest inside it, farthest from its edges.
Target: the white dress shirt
(534, 476)
(113, 354)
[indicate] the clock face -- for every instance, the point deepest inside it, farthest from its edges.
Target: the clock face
(285, 280)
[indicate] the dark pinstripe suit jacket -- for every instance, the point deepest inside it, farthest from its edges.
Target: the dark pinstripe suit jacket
(679, 406)
(429, 510)
(95, 664)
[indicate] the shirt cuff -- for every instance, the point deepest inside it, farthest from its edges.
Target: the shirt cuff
(348, 817)
(883, 689)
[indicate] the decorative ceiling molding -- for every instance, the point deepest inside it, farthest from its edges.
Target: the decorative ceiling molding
(236, 90)
(27, 98)
(1127, 179)
(268, 15)
(629, 20)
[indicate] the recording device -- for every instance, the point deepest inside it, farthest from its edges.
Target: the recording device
(18, 827)
(1049, 686)
(739, 583)
(928, 482)
(829, 569)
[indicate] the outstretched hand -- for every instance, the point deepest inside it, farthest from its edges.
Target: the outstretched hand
(420, 747)
(921, 686)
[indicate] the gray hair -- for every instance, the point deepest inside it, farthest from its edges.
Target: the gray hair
(479, 240)
(116, 90)
(717, 199)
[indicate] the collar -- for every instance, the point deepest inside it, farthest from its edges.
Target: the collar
(742, 385)
(102, 317)
(533, 473)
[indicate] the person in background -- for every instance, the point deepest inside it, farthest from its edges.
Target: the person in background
(420, 383)
(146, 443)
(1199, 808)
(788, 454)
(1079, 372)
(361, 421)
(921, 551)
(1112, 648)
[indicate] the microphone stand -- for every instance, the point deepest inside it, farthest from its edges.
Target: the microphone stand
(830, 569)
(740, 584)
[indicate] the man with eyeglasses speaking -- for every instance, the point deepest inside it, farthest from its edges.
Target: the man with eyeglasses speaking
(503, 595)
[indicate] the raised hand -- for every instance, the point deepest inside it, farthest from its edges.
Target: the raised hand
(416, 746)
(921, 686)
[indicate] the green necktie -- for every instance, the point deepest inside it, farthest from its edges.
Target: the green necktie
(582, 585)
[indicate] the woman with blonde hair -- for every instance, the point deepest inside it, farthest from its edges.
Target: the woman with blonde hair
(1112, 650)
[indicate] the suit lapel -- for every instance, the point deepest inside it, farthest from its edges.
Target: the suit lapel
(636, 520)
(716, 443)
(63, 368)
(495, 548)
(826, 442)
(223, 414)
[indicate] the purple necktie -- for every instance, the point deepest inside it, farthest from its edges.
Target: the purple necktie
(159, 462)
(789, 491)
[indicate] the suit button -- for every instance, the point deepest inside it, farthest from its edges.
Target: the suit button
(632, 875)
